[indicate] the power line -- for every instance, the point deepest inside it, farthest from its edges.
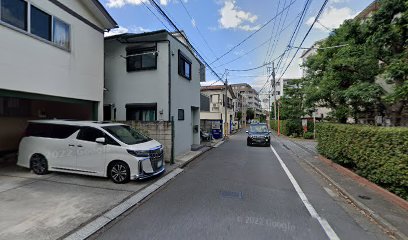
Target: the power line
(296, 30)
(252, 34)
(156, 16)
(273, 29)
(337, 46)
(304, 38)
(255, 48)
(263, 65)
(160, 10)
(276, 41)
(198, 30)
(328, 29)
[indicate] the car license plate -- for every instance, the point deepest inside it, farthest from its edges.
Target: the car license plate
(159, 164)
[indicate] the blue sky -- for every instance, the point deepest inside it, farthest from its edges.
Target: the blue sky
(224, 23)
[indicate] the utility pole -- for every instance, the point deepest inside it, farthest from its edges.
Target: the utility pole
(274, 88)
(226, 104)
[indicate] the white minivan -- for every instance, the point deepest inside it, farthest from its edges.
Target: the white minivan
(103, 149)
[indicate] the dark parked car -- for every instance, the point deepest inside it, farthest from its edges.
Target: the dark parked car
(258, 134)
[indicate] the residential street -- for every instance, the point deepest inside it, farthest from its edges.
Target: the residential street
(240, 192)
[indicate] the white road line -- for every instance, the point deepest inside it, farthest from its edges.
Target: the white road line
(323, 222)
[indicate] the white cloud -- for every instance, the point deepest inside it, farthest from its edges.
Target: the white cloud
(338, 1)
(139, 29)
(234, 18)
(332, 18)
(121, 3)
(117, 31)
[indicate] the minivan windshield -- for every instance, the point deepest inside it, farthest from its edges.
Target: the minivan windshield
(126, 134)
(258, 128)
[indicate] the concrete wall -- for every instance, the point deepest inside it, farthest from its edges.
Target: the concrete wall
(160, 131)
(185, 95)
(28, 64)
(149, 86)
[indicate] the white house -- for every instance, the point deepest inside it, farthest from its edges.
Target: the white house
(51, 62)
(154, 76)
(219, 104)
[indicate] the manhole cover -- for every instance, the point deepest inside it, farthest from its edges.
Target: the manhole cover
(364, 197)
(230, 194)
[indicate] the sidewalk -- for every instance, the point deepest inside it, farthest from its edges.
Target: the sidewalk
(387, 209)
(183, 159)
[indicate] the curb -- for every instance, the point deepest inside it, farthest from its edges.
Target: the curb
(95, 225)
(381, 221)
(184, 164)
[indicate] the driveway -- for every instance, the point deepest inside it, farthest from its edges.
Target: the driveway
(50, 206)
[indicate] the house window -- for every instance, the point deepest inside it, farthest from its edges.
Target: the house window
(181, 114)
(61, 34)
(14, 12)
(141, 112)
(40, 23)
(141, 59)
(184, 66)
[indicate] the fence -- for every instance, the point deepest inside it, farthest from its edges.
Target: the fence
(160, 131)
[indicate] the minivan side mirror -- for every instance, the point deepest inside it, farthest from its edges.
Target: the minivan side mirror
(100, 140)
(270, 132)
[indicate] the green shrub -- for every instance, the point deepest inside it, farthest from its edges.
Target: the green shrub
(308, 135)
(377, 153)
(294, 127)
(274, 126)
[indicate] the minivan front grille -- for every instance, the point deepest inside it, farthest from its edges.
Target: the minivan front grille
(156, 159)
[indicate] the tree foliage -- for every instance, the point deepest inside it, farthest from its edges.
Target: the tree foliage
(346, 79)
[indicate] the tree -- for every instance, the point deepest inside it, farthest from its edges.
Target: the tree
(250, 114)
(388, 34)
(292, 100)
(346, 79)
(239, 115)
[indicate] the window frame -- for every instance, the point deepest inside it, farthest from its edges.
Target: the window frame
(181, 67)
(27, 31)
(51, 27)
(180, 114)
(142, 51)
(26, 17)
(53, 35)
(140, 107)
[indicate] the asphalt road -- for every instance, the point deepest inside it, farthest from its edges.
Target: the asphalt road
(240, 192)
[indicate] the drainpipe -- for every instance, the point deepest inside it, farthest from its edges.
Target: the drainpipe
(170, 117)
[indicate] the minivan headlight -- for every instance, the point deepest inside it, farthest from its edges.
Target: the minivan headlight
(138, 153)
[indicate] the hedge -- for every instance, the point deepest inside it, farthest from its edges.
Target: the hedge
(379, 154)
(274, 126)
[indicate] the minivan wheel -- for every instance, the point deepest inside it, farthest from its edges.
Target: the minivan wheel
(39, 164)
(119, 172)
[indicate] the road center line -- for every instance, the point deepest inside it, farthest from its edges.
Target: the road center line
(323, 222)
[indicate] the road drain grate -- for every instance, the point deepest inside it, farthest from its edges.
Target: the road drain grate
(230, 194)
(364, 197)
(284, 145)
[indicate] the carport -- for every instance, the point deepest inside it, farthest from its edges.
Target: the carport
(16, 108)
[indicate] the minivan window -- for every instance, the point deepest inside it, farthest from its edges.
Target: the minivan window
(90, 134)
(126, 134)
(50, 130)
